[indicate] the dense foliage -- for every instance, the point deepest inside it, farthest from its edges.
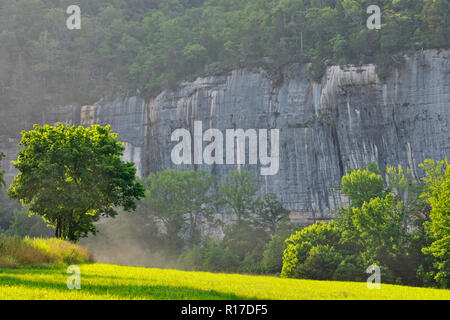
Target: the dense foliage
(437, 194)
(72, 176)
(388, 224)
(181, 202)
(131, 46)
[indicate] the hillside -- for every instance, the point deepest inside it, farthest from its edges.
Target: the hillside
(125, 46)
(100, 281)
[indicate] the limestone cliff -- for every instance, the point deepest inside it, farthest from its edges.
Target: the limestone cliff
(348, 119)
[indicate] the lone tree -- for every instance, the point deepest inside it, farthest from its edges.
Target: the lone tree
(72, 176)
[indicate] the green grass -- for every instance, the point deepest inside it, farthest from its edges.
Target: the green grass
(100, 281)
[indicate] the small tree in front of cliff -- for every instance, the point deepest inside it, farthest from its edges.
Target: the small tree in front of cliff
(270, 213)
(180, 200)
(72, 176)
(239, 193)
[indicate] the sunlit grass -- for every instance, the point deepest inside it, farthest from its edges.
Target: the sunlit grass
(16, 253)
(100, 281)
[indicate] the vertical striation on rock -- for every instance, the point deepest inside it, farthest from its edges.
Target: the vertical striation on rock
(127, 118)
(347, 120)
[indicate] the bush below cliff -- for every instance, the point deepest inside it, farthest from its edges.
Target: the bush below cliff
(19, 253)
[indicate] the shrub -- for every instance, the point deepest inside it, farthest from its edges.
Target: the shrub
(321, 263)
(251, 265)
(17, 253)
(218, 258)
(192, 259)
(241, 250)
(350, 269)
(300, 244)
(273, 254)
(272, 261)
(246, 242)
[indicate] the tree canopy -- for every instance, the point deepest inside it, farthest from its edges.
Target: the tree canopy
(72, 176)
(270, 213)
(362, 185)
(386, 223)
(182, 201)
(437, 194)
(239, 194)
(126, 47)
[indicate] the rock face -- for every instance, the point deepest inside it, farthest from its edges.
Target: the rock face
(128, 118)
(347, 120)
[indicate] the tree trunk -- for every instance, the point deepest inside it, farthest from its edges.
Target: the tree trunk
(71, 234)
(57, 229)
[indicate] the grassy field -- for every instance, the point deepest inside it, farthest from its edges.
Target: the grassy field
(100, 281)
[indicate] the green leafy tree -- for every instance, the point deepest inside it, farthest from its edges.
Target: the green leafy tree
(379, 224)
(362, 185)
(435, 18)
(182, 201)
(300, 244)
(115, 54)
(437, 194)
(73, 176)
(247, 243)
(376, 224)
(402, 185)
(239, 194)
(195, 55)
(270, 213)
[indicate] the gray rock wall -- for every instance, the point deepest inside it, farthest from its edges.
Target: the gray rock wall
(128, 118)
(347, 120)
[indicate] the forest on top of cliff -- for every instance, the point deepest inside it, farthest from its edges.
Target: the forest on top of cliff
(129, 47)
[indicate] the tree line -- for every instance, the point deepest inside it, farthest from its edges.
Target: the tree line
(144, 46)
(72, 177)
(397, 223)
